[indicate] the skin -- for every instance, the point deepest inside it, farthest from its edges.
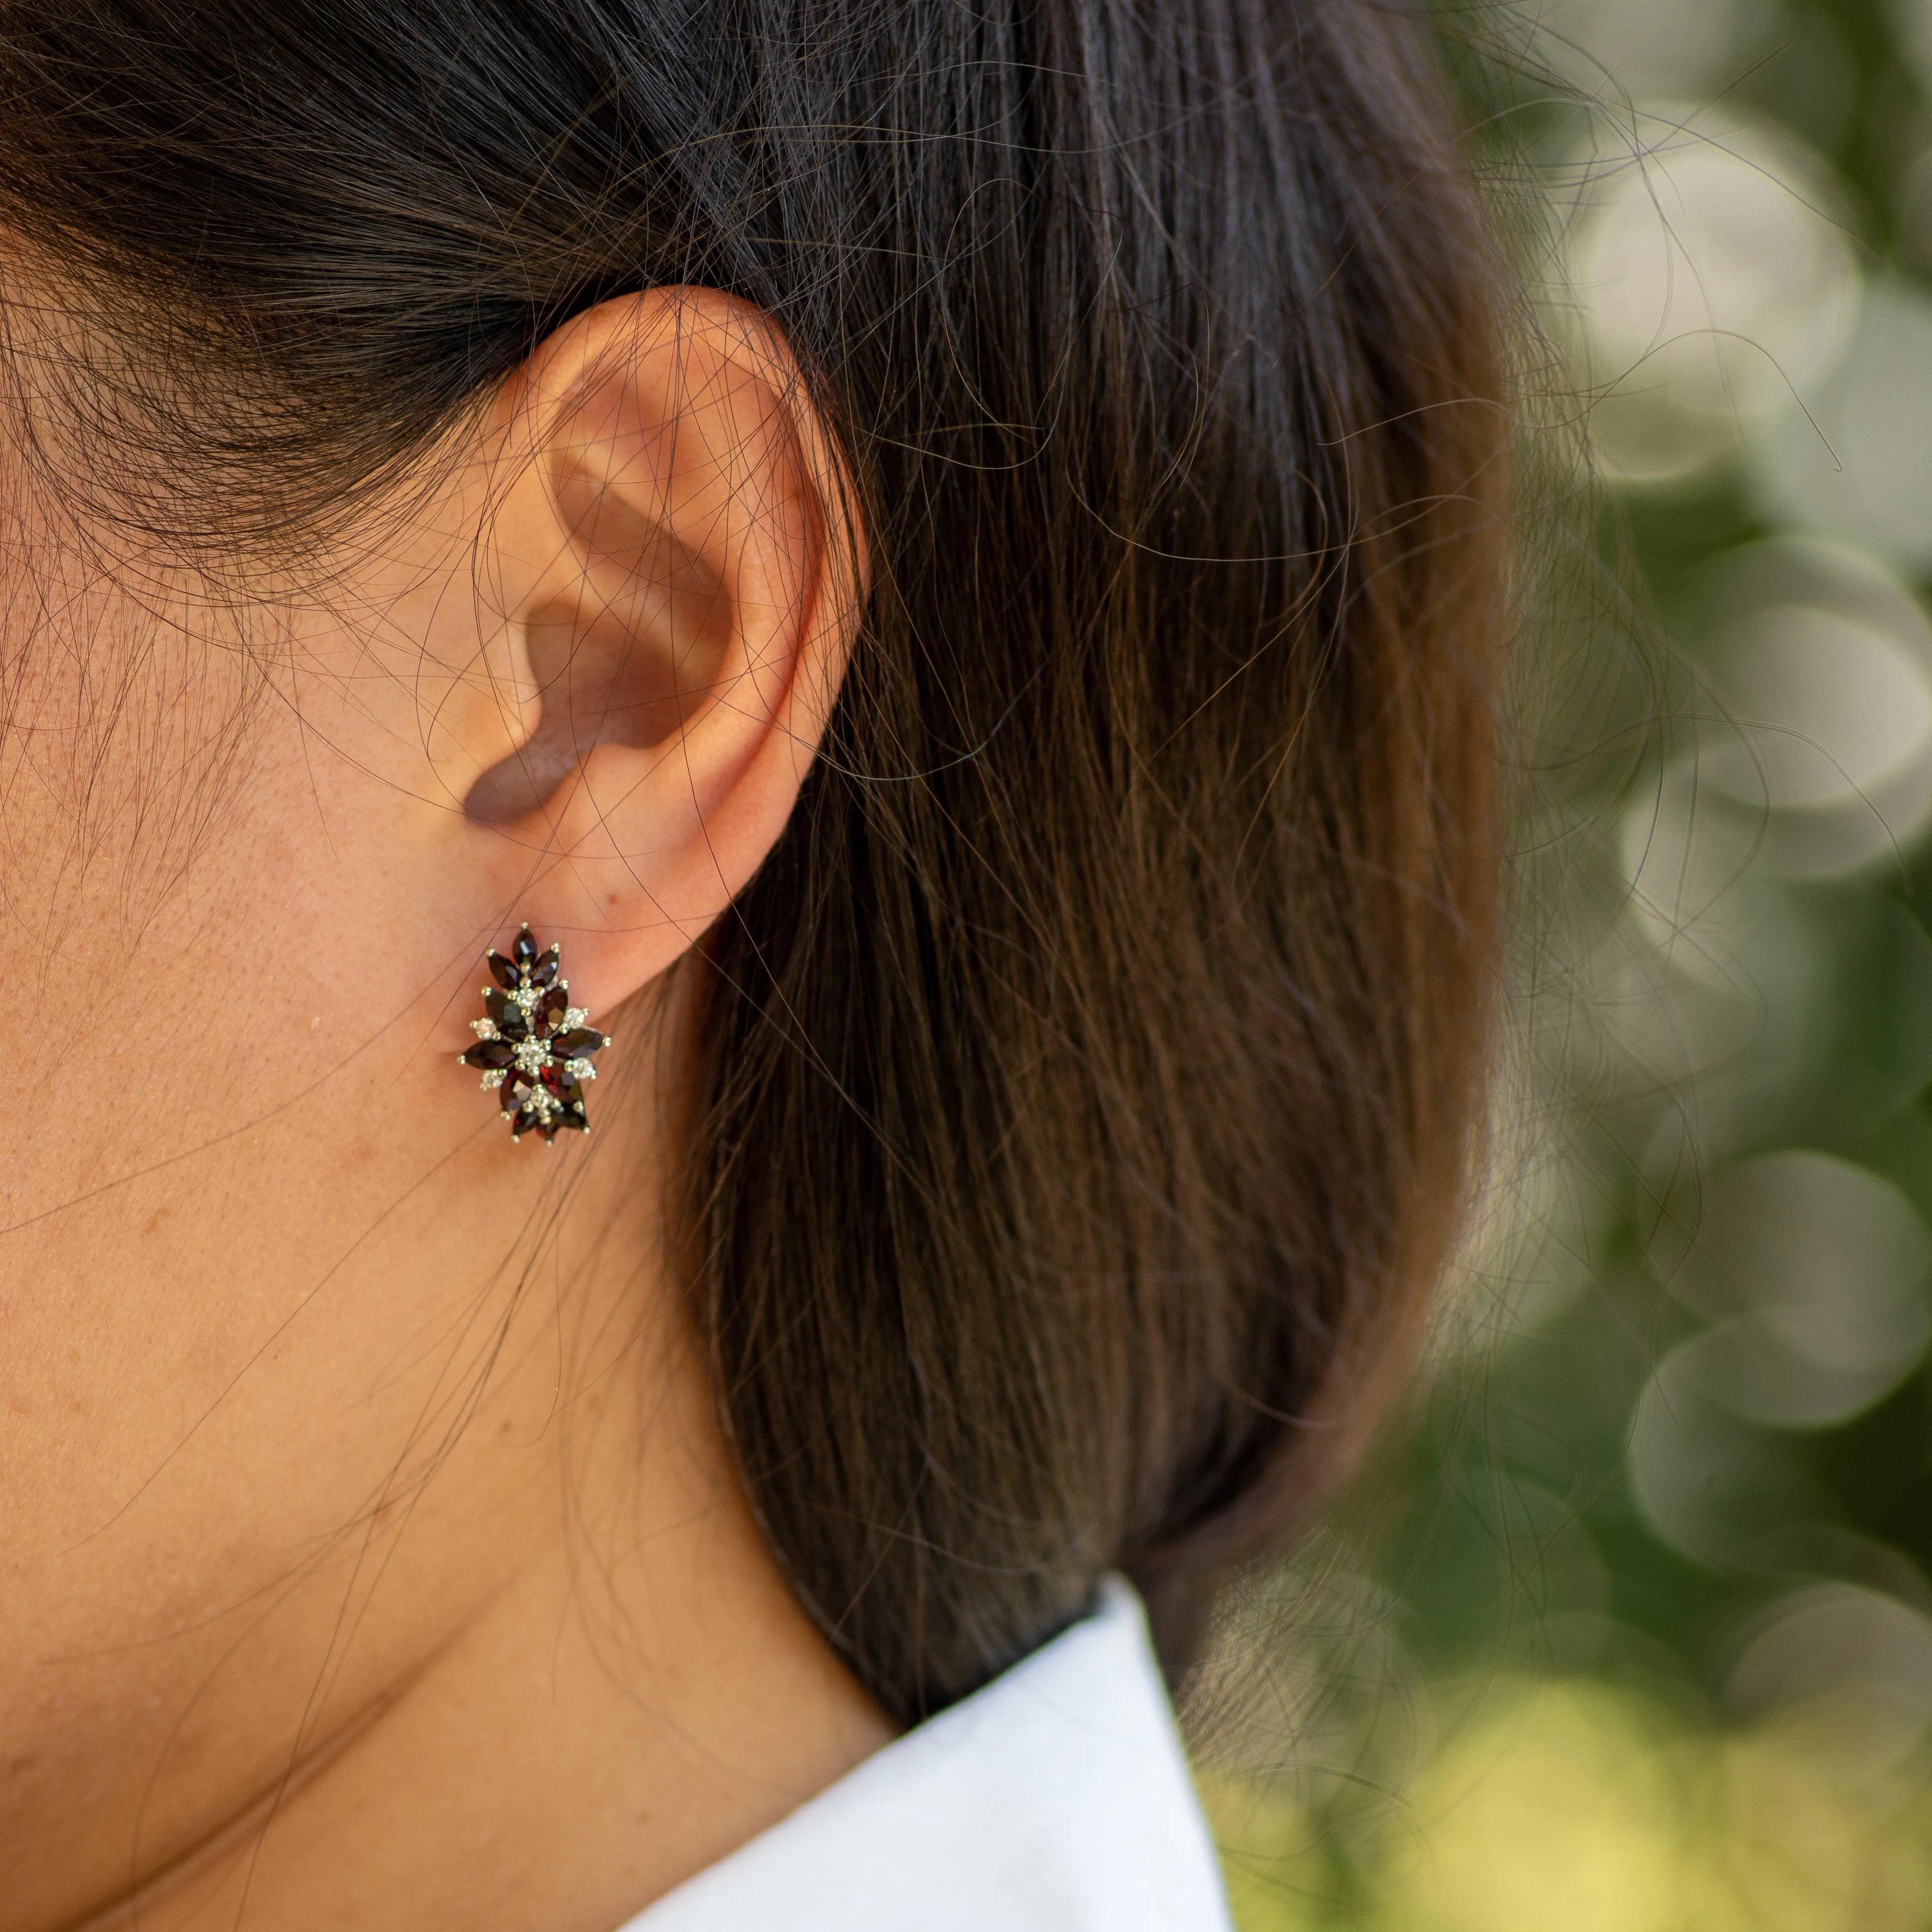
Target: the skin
(371, 1555)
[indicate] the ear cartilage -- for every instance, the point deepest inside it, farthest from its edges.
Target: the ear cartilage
(532, 1046)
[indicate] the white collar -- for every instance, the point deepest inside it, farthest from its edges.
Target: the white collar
(1057, 1799)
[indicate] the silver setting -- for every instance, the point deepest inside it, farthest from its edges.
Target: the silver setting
(517, 1052)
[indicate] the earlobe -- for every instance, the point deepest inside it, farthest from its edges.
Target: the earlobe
(674, 558)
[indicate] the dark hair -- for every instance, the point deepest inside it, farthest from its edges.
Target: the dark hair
(1086, 1083)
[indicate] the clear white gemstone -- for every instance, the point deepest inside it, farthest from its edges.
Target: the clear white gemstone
(532, 1056)
(484, 1029)
(493, 1077)
(580, 1069)
(525, 997)
(573, 1016)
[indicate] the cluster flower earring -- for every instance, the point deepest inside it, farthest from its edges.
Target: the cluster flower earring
(532, 1045)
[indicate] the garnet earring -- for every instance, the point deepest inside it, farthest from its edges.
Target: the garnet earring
(532, 1044)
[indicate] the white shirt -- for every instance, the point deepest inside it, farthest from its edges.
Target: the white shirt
(1057, 1799)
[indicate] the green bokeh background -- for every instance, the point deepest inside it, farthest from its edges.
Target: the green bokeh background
(1628, 1627)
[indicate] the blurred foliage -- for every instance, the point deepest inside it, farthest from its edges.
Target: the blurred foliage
(1628, 1629)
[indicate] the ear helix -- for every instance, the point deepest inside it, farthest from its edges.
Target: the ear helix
(534, 1047)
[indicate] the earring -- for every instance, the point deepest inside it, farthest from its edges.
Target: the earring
(532, 1044)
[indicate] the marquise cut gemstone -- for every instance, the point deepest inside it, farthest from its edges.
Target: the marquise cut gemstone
(579, 1042)
(490, 1053)
(509, 1017)
(503, 971)
(523, 948)
(544, 971)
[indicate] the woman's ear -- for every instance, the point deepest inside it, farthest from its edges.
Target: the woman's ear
(674, 556)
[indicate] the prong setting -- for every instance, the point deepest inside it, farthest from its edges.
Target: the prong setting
(532, 1048)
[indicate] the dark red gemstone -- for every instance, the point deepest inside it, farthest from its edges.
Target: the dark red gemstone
(545, 970)
(573, 1118)
(503, 971)
(523, 948)
(490, 1053)
(551, 1009)
(578, 1042)
(508, 1015)
(526, 1122)
(566, 1087)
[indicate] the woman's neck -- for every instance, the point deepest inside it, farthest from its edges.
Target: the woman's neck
(571, 1752)
(490, 1638)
